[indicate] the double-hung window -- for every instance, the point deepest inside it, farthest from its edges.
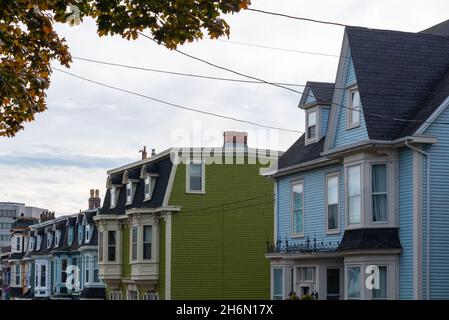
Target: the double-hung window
(129, 193)
(311, 125)
(18, 239)
(354, 284)
(96, 278)
(354, 194)
(379, 199)
(111, 245)
(147, 240)
(100, 246)
(332, 202)
(381, 292)
(355, 108)
(298, 208)
(195, 177)
(278, 275)
(134, 235)
(17, 271)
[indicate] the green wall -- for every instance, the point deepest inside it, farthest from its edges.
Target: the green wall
(219, 238)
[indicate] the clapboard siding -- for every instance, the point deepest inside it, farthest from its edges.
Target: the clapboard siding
(324, 119)
(406, 223)
(314, 205)
(439, 209)
(219, 252)
(342, 135)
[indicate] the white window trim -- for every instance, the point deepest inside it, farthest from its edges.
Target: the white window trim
(151, 242)
(293, 183)
(370, 210)
(333, 231)
(128, 294)
(203, 178)
(114, 199)
(387, 288)
(361, 281)
(151, 179)
(131, 243)
(115, 293)
(348, 224)
(317, 122)
(349, 123)
(282, 282)
(147, 294)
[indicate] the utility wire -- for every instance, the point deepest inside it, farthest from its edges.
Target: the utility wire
(176, 105)
(280, 49)
(300, 18)
(224, 68)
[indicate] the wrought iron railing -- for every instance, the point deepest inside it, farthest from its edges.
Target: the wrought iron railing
(306, 246)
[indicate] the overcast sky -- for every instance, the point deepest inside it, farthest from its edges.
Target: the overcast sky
(89, 129)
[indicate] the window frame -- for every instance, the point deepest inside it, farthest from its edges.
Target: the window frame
(134, 245)
(315, 110)
(276, 295)
(114, 194)
(360, 195)
(371, 193)
(128, 293)
(386, 289)
(146, 242)
(203, 177)
(329, 176)
(100, 245)
(292, 208)
(350, 123)
(360, 281)
(110, 246)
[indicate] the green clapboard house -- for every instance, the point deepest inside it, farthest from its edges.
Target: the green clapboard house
(189, 224)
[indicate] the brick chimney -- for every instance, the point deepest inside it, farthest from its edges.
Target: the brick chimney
(153, 152)
(235, 139)
(94, 200)
(46, 215)
(144, 152)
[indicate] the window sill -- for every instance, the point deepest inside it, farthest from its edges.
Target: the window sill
(298, 236)
(333, 232)
(353, 126)
(195, 192)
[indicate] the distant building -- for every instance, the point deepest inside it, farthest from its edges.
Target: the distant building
(9, 212)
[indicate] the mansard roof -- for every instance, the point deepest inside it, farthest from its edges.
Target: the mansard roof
(400, 75)
(369, 239)
(162, 167)
(300, 153)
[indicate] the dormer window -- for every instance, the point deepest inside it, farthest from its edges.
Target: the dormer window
(49, 239)
(57, 237)
(129, 193)
(355, 107)
(18, 242)
(71, 235)
(31, 244)
(113, 197)
(80, 233)
(150, 182)
(311, 125)
(39, 242)
(88, 233)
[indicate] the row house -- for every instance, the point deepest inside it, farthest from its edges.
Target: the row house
(363, 192)
(56, 258)
(188, 224)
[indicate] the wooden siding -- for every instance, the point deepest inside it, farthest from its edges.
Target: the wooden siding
(343, 136)
(406, 223)
(314, 205)
(439, 202)
(218, 251)
(324, 119)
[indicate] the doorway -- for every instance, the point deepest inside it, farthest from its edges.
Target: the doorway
(333, 284)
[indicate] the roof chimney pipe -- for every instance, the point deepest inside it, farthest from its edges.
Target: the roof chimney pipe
(144, 152)
(94, 200)
(153, 152)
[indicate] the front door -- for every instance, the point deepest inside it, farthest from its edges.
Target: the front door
(333, 284)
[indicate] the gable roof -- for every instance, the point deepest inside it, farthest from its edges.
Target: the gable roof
(300, 153)
(322, 92)
(441, 29)
(399, 75)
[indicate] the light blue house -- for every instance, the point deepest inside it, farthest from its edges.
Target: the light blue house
(366, 189)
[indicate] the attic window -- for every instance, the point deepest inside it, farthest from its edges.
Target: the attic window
(311, 119)
(130, 188)
(114, 195)
(355, 107)
(57, 237)
(149, 186)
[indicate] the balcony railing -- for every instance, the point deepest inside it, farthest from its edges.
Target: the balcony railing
(307, 246)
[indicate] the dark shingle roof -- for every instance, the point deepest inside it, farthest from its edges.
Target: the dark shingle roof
(322, 91)
(299, 153)
(163, 168)
(370, 238)
(397, 73)
(441, 29)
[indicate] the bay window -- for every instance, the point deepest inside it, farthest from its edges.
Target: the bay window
(379, 193)
(298, 208)
(278, 276)
(332, 202)
(147, 240)
(354, 194)
(111, 245)
(17, 275)
(134, 243)
(381, 293)
(354, 285)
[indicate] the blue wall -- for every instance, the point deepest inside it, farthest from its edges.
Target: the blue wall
(342, 135)
(314, 205)
(439, 210)
(406, 223)
(324, 119)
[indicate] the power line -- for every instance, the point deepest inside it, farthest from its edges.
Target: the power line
(300, 18)
(224, 68)
(181, 73)
(280, 49)
(176, 105)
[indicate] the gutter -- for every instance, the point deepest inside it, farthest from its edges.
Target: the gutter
(427, 216)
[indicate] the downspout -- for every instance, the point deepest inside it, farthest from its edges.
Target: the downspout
(427, 216)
